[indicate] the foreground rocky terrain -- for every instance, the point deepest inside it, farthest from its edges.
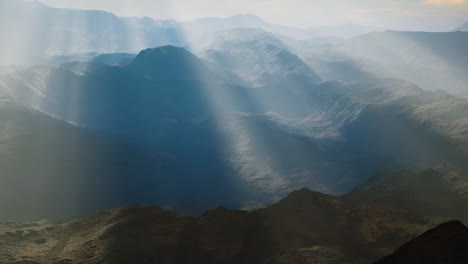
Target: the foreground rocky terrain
(305, 227)
(447, 243)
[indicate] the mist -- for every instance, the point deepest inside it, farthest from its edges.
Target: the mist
(102, 111)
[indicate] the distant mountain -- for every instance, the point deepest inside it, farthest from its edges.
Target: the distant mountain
(220, 24)
(464, 27)
(436, 49)
(433, 60)
(257, 58)
(169, 63)
(305, 227)
(342, 31)
(447, 243)
(70, 34)
(114, 59)
(254, 22)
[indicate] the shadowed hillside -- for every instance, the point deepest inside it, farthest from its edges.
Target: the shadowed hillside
(307, 226)
(447, 243)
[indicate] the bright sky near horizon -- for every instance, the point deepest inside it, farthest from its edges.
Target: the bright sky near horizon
(397, 14)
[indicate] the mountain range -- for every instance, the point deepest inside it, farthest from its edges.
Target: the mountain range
(216, 125)
(305, 227)
(364, 131)
(82, 31)
(433, 60)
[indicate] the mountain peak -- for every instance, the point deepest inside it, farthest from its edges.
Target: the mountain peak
(445, 243)
(453, 227)
(167, 62)
(22, 3)
(248, 17)
(305, 198)
(221, 211)
(160, 52)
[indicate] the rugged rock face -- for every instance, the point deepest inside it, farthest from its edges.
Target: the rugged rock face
(305, 227)
(257, 58)
(447, 243)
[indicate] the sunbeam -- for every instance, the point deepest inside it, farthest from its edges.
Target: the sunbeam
(195, 131)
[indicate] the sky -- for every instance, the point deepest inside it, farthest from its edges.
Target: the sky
(396, 14)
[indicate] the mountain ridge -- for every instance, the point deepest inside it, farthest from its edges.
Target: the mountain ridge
(446, 243)
(167, 63)
(266, 141)
(305, 225)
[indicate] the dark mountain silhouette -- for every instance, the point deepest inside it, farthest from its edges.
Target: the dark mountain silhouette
(304, 227)
(446, 243)
(169, 63)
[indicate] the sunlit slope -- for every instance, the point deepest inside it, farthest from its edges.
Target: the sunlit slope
(257, 58)
(360, 227)
(435, 61)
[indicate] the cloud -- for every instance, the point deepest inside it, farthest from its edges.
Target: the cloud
(446, 2)
(394, 14)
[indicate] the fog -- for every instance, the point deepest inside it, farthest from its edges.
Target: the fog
(100, 111)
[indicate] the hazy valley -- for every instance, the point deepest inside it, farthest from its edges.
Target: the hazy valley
(333, 144)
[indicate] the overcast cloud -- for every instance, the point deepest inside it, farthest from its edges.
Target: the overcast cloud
(397, 14)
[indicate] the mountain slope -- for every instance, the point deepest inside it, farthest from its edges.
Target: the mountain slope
(306, 226)
(56, 170)
(257, 58)
(114, 59)
(447, 243)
